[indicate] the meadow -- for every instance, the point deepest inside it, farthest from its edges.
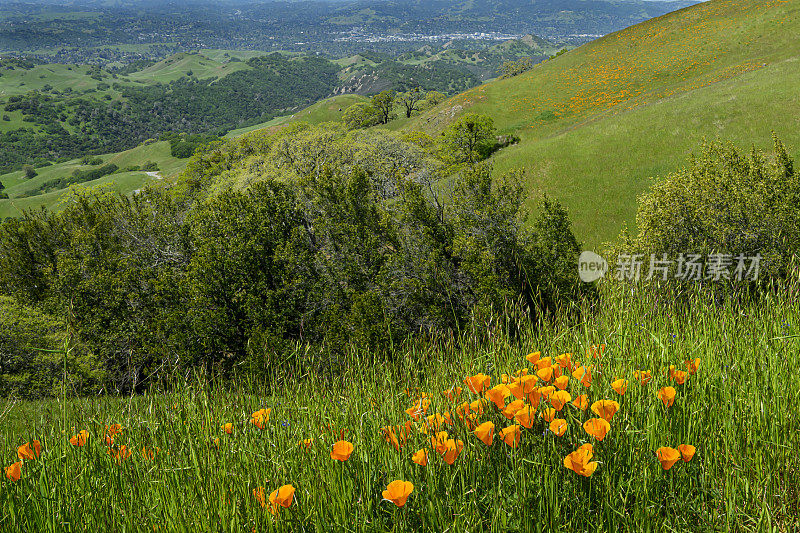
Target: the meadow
(641, 415)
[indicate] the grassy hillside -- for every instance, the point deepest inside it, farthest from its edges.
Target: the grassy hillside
(180, 65)
(599, 121)
(17, 186)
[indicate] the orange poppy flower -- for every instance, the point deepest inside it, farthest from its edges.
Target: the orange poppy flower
(29, 451)
(528, 383)
(535, 398)
(419, 408)
(80, 439)
(259, 496)
(119, 454)
(390, 436)
(420, 457)
(667, 457)
(581, 402)
(544, 362)
(561, 382)
(511, 435)
(433, 422)
(477, 406)
(515, 387)
(667, 396)
(605, 408)
(439, 442)
(679, 376)
(559, 399)
(687, 451)
(692, 365)
(149, 454)
(533, 357)
(546, 373)
(306, 443)
(558, 426)
(398, 491)
(498, 395)
(548, 414)
(620, 386)
(227, 428)
(113, 429)
(579, 461)
(596, 351)
(477, 383)
(512, 408)
(597, 428)
(644, 376)
(525, 416)
(452, 393)
(565, 361)
(14, 472)
(260, 417)
(109, 440)
(453, 449)
(546, 391)
(584, 374)
(485, 432)
(283, 497)
(341, 450)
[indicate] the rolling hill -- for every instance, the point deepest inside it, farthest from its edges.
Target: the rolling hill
(597, 123)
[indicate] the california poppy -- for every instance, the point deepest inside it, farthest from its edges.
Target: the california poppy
(533, 357)
(584, 374)
(452, 450)
(565, 361)
(390, 436)
(260, 417)
(605, 408)
(561, 382)
(14, 471)
(581, 402)
(511, 435)
(558, 426)
(596, 351)
(692, 365)
(227, 428)
(439, 442)
(498, 395)
(667, 456)
(546, 391)
(525, 416)
(452, 393)
(546, 373)
(559, 399)
(544, 362)
(597, 428)
(667, 396)
(341, 450)
(113, 429)
(80, 439)
(535, 398)
(548, 414)
(29, 450)
(579, 461)
(477, 383)
(485, 432)
(258, 493)
(679, 376)
(644, 376)
(528, 383)
(516, 388)
(283, 497)
(398, 491)
(119, 454)
(420, 457)
(687, 451)
(512, 408)
(477, 406)
(620, 386)
(149, 453)
(306, 443)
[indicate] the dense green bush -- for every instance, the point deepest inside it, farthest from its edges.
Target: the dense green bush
(725, 202)
(32, 355)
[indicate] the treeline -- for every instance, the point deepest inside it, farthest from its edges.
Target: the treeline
(315, 235)
(77, 176)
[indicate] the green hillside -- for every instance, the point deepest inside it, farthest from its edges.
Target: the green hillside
(598, 122)
(180, 65)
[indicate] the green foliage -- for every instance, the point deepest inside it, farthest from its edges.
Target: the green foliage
(470, 139)
(361, 115)
(29, 171)
(509, 69)
(383, 103)
(32, 355)
(726, 202)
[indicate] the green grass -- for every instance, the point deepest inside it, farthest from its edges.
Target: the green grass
(178, 65)
(740, 410)
(19, 81)
(17, 185)
(597, 122)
